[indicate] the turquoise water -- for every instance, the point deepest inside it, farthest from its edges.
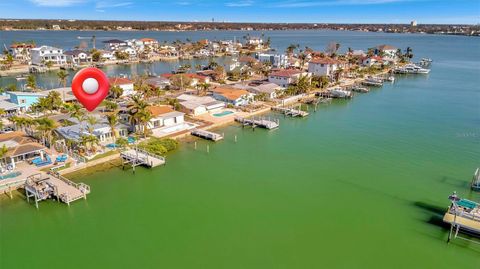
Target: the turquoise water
(360, 183)
(10, 175)
(223, 113)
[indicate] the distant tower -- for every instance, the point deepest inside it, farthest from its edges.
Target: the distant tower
(413, 23)
(213, 19)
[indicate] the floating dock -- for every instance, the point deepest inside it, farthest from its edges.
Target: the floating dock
(260, 122)
(44, 186)
(207, 135)
(476, 180)
(136, 157)
(290, 111)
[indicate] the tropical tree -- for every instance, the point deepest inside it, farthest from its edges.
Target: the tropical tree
(180, 81)
(302, 57)
(116, 91)
(112, 122)
(91, 121)
(46, 126)
(8, 61)
(110, 105)
(121, 142)
(62, 77)
(320, 81)
(139, 114)
(291, 49)
(31, 82)
(49, 64)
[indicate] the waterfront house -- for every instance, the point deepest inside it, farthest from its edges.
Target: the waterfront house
(106, 55)
(285, 77)
(270, 90)
(254, 42)
(247, 60)
(230, 95)
(8, 107)
(323, 66)
(275, 60)
(198, 105)
(21, 51)
(387, 52)
(44, 54)
(65, 93)
(194, 78)
(24, 100)
(101, 130)
(78, 57)
(132, 53)
(164, 116)
(113, 44)
(124, 83)
(372, 60)
(20, 146)
(158, 82)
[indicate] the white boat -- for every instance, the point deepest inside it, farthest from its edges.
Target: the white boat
(21, 77)
(372, 81)
(411, 69)
(428, 60)
(390, 78)
(358, 88)
(338, 93)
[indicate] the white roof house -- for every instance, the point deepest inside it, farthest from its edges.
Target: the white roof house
(43, 54)
(197, 105)
(101, 130)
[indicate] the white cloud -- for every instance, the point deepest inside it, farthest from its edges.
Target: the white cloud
(57, 3)
(245, 3)
(334, 3)
(105, 4)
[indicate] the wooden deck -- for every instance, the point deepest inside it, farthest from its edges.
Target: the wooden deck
(465, 223)
(260, 122)
(207, 135)
(290, 111)
(137, 157)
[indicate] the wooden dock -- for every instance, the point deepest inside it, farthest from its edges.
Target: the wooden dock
(463, 216)
(136, 157)
(207, 135)
(53, 185)
(259, 122)
(290, 111)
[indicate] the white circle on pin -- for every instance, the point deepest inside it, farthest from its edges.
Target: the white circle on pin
(90, 85)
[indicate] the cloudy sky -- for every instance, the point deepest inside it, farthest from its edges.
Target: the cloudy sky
(333, 11)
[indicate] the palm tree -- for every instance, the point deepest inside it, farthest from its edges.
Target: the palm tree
(91, 120)
(303, 57)
(291, 49)
(3, 152)
(139, 114)
(112, 122)
(46, 126)
(203, 87)
(116, 91)
(62, 77)
(31, 82)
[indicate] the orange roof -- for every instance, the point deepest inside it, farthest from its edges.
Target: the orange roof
(325, 60)
(119, 81)
(22, 45)
(230, 93)
(286, 73)
(159, 110)
(148, 40)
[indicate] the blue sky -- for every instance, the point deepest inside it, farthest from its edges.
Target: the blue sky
(330, 11)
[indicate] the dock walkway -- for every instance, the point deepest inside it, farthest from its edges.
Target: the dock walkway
(207, 135)
(137, 157)
(260, 122)
(476, 180)
(290, 111)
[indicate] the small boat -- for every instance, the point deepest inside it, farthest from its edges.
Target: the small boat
(358, 88)
(428, 60)
(20, 77)
(339, 93)
(390, 78)
(373, 81)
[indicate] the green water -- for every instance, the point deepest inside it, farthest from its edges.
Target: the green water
(361, 183)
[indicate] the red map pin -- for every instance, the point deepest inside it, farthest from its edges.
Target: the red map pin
(90, 86)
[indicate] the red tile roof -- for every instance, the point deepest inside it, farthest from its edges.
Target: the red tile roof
(286, 73)
(119, 81)
(386, 47)
(230, 93)
(159, 110)
(325, 60)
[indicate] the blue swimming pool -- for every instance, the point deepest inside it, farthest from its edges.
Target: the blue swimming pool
(10, 175)
(223, 113)
(130, 140)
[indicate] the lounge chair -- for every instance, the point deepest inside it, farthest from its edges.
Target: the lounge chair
(45, 162)
(61, 158)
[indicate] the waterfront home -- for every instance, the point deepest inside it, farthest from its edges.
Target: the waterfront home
(65, 93)
(113, 44)
(24, 100)
(285, 77)
(8, 107)
(323, 66)
(78, 57)
(247, 60)
(372, 60)
(275, 60)
(106, 55)
(101, 130)
(44, 54)
(132, 53)
(149, 42)
(125, 84)
(230, 95)
(166, 121)
(21, 51)
(157, 82)
(387, 52)
(270, 90)
(194, 78)
(198, 105)
(254, 42)
(20, 146)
